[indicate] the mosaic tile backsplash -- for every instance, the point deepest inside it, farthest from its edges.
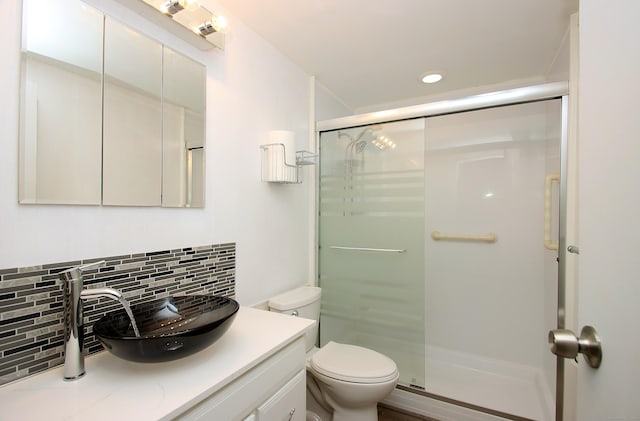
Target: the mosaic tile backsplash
(31, 311)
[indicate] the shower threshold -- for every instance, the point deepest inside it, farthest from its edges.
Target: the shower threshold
(420, 391)
(494, 388)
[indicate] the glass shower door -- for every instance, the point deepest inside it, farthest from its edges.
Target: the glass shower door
(491, 285)
(438, 243)
(371, 239)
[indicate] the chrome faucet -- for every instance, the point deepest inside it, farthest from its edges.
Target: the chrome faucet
(73, 294)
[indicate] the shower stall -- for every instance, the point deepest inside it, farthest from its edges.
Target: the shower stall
(438, 235)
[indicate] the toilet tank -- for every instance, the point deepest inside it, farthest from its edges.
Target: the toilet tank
(301, 302)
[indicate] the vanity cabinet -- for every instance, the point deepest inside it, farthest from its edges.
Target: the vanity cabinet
(255, 371)
(273, 390)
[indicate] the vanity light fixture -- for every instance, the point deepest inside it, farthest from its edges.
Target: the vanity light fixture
(206, 29)
(172, 7)
(187, 19)
(216, 24)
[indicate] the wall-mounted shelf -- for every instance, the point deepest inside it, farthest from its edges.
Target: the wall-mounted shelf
(275, 168)
(306, 158)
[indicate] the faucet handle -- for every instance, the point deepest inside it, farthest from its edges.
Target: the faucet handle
(75, 273)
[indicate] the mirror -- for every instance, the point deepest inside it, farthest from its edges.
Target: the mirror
(60, 107)
(132, 118)
(183, 122)
(130, 132)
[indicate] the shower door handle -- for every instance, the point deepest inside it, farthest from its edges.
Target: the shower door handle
(565, 344)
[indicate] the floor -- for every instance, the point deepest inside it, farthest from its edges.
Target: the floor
(387, 413)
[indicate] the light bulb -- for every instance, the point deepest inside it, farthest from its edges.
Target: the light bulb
(219, 22)
(188, 4)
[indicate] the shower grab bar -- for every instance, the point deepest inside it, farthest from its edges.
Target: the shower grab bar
(488, 238)
(547, 211)
(368, 249)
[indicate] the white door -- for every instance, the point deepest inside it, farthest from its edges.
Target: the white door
(609, 207)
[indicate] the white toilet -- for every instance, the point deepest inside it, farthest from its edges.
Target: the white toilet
(344, 382)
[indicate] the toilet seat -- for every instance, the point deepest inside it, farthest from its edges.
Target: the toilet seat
(353, 364)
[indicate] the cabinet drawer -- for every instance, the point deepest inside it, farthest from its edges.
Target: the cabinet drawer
(288, 404)
(239, 398)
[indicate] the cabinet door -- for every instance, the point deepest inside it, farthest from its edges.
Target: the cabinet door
(61, 103)
(132, 118)
(289, 403)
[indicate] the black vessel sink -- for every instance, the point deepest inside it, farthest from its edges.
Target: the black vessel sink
(170, 328)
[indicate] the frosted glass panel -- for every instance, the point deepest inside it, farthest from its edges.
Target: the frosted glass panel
(372, 198)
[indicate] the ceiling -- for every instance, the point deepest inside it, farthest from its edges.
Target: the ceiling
(370, 52)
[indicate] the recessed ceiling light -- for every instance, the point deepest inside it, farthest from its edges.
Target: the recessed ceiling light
(431, 77)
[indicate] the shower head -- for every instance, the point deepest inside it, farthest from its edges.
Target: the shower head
(358, 143)
(354, 151)
(367, 131)
(359, 146)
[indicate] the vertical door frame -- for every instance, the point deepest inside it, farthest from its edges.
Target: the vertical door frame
(562, 255)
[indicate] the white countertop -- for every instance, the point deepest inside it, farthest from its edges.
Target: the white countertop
(115, 389)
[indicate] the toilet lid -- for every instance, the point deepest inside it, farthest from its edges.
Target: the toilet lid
(353, 364)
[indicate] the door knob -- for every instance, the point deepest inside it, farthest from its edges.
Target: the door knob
(565, 344)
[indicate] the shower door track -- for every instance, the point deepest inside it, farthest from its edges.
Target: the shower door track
(421, 392)
(534, 93)
(475, 102)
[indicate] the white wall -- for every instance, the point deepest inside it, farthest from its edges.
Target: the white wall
(251, 89)
(609, 206)
(328, 105)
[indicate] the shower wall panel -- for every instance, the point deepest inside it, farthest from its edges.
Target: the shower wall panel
(485, 173)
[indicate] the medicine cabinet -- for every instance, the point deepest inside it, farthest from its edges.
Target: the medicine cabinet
(107, 115)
